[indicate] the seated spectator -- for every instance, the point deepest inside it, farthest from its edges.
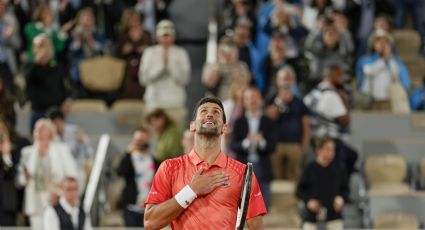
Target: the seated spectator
(331, 43)
(165, 67)
(10, 42)
(43, 23)
(67, 213)
(137, 167)
(376, 71)
(292, 124)
(131, 43)
(233, 9)
(8, 192)
(227, 72)
(45, 80)
(86, 42)
(76, 139)
(42, 168)
(169, 135)
(323, 189)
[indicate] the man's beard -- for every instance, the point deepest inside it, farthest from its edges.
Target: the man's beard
(208, 131)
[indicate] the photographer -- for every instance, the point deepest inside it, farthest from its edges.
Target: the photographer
(137, 167)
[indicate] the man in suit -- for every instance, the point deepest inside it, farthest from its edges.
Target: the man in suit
(253, 139)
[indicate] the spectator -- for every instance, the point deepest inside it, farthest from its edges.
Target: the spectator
(275, 60)
(76, 139)
(330, 114)
(323, 189)
(44, 80)
(153, 11)
(43, 166)
(10, 42)
(233, 9)
(253, 140)
(375, 72)
(187, 140)
(169, 135)
(416, 10)
(166, 68)
(130, 46)
(292, 124)
(7, 105)
(314, 11)
(220, 77)
(67, 213)
(8, 191)
(86, 42)
(329, 44)
(43, 23)
(137, 167)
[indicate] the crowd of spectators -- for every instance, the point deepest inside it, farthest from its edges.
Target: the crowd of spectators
(288, 72)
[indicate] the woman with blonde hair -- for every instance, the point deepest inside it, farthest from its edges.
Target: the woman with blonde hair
(42, 167)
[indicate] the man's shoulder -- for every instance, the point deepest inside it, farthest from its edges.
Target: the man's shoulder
(170, 165)
(236, 166)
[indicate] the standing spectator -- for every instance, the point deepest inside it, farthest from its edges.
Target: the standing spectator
(67, 213)
(153, 11)
(165, 71)
(44, 80)
(292, 124)
(43, 23)
(253, 140)
(8, 191)
(10, 42)
(86, 42)
(137, 166)
(329, 44)
(330, 114)
(76, 139)
(229, 71)
(323, 188)
(7, 105)
(43, 166)
(131, 43)
(169, 135)
(416, 9)
(187, 140)
(376, 71)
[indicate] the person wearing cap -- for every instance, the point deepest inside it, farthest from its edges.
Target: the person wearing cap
(376, 71)
(292, 121)
(165, 72)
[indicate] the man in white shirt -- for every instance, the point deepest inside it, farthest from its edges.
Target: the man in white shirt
(67, 214)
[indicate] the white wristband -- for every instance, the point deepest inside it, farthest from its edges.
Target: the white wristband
(185, 197)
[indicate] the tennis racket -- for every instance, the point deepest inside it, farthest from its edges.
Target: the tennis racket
(244, 198)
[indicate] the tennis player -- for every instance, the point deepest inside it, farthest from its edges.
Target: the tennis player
(201, 189)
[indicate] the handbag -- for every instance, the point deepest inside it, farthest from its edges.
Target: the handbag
(398, 97)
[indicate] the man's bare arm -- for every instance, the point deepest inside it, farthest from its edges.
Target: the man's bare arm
(158, 216)
(255, 223)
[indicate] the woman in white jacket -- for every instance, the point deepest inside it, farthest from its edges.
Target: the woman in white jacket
(42, 168)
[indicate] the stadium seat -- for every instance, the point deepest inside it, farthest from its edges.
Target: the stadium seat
(385, 173)
(416, 66)
(88, 105)
(128, 112)
(395, 221)
(407, 42)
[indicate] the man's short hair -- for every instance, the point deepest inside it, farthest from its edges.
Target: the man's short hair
(55, 113)
(209, 100)
(322, 141)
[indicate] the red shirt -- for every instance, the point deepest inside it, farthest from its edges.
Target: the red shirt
(216, 210)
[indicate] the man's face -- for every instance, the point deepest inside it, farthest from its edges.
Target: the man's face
(70, 191)
(209, 120)
(327, 152)
(252, 100)
(337, 76)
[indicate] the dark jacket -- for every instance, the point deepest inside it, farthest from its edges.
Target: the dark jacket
(240, 132)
